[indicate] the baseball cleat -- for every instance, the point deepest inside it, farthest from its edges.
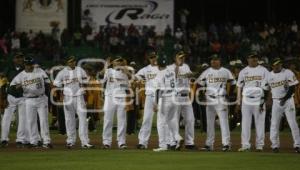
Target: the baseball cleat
(206, 148)
(40, 143)
(179, 144)
(70, 146)
(106, 147)
(297, 149)
(87, 146)
(244, 150)
(160, 149)
(47, 146)
(4, 144)
(20, 145)
(275, 150)
(34, 146)
(191, 147)
(141, 147)
(226, 148)
(123, 146)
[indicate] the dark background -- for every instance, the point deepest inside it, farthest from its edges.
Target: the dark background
(201, 12)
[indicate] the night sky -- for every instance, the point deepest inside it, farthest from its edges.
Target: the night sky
(205, 11)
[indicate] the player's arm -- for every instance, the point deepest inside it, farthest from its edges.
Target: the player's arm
(292, 82)
(15, 88)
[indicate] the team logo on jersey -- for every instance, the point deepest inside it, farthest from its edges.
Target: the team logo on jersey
(216, 80)
(253, 78)
(279, 83)
(151, 76)
(32, 81)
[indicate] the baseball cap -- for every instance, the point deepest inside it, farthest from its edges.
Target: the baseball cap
(19, 55)
(276, 61)
(180, 54)
(162, 62)
(28, 61)
(71, 59)
(152, 54)
(215, 57)
(118, 59)
(253, 54)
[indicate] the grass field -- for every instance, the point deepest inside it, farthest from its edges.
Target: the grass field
(131, 159)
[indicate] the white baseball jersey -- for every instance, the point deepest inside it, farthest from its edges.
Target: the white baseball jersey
(251, 79)
(182, 82)
(33, 83)
(72, 81)
(215, 81)
(166, 82)
(148, 73)
(117, 83)
(280, 82)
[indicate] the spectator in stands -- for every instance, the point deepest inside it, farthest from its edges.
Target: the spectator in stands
(15, 42)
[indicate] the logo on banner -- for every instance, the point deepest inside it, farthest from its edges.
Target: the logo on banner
(43, 4)
(138, 12)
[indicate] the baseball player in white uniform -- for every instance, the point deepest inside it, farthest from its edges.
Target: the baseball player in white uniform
(214, 81)
(148, 74)
(250, 91)
(117, 86)
(15, 103)
(184, 107)
(34, 81)
(282, 83)
(167, 108)
(73, 79)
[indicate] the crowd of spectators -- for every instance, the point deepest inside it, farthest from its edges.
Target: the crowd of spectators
(229, 40)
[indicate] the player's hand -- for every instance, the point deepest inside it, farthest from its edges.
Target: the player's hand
(155, 108)
(261, 107)
(282, 102)
(237, 109)
(18, 86)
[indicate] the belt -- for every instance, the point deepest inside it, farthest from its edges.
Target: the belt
(183, 94)
(33, 97)
(211, 96)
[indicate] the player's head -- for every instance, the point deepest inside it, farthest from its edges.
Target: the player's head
(277, 64)
(180, 58)
(252, 59)
(29, 64)
(215, 61)
(152, 57)
(161, 63)
(18, 59)
(118, 61)
(71, 62)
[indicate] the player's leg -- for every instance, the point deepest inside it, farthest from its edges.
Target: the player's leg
(82, 117)
(31, 117)
(224, 125)
(290, 112)
(122, 124)
(43, 116)
(162, 127)
(210, 124)
(260, 118)
(6, 119)
(145, 131)
(109, 111)
(69, 111)
(277, 111)
(189, 121)
(22, 133)
(246, 126)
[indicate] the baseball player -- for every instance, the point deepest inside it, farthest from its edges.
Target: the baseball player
(184, 108)
(215, 80)
(34, 82)
(148, 74)
(250, 91)
(167, 108)
(282, 83)
(73, 79)
(15, 103)
(117, 86)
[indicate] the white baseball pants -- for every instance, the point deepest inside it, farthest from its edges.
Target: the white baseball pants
(250, 108)
(76, 105)
(213, 108)
(15, 104)
(34, 107)
(277, 113)
(114, 105)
